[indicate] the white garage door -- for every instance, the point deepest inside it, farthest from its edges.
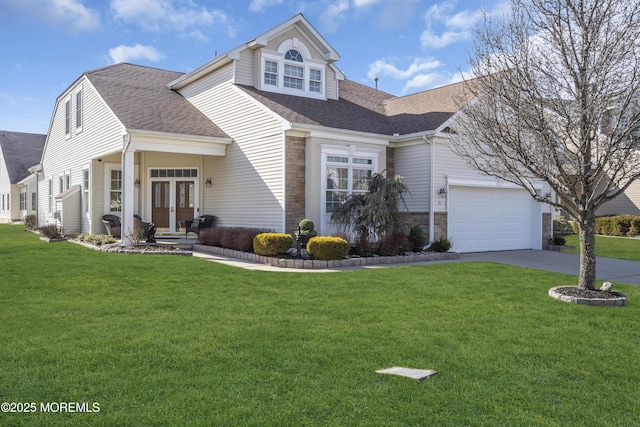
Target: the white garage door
(490, 219)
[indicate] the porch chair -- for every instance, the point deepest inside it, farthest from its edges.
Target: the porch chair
(199, 223)
(112, 224)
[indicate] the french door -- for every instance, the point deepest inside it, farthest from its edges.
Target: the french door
(172, 203)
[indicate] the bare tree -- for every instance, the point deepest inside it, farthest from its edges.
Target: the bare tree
(557, 101)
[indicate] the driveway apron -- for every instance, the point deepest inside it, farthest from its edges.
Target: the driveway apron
(610, 269)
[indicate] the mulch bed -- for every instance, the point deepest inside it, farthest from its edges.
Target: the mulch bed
(574, 291)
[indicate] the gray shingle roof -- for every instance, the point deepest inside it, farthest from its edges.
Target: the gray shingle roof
(361, 108)
(21, 151)
(141, 100)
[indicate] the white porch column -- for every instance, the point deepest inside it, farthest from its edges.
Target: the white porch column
(127, 195)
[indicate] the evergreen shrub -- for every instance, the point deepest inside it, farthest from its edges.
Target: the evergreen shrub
(328, 248)
(272, 243)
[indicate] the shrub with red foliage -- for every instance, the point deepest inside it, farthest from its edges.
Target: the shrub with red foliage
(237, 238)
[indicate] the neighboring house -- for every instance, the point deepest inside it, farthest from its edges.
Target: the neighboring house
(18, 188)
(265, 135)
(626, 203)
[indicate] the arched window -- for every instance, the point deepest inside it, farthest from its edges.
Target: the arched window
(293, 55)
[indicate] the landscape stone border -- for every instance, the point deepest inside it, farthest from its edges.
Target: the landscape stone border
(620, 301)
(318, 264)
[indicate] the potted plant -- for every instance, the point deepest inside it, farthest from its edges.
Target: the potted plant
(305, 231)
(417, 236)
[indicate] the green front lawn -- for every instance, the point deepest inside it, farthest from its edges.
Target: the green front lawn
(164, 340)
(610, 247)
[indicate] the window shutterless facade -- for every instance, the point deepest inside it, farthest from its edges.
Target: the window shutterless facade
(292, 70)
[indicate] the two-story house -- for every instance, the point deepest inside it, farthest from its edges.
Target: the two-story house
(262, 136)
(19, 151)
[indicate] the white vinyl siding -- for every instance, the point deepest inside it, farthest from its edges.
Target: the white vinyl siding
(244, 69)
(626, 203)
(412, 163)
(101, 135)
(248, 187)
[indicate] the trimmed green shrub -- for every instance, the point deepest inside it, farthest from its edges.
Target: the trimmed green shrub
(328, 248)
(306, 226)
(559, 240)
(441, 245)
(272, 243)
(618, 225)
(562, 226)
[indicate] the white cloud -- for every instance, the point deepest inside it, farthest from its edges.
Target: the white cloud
(444, 26)
(430, 39)
(333, 14)
(383, 67)
(424, 81)
(159, 15)
(259, 6)
(70, 15)
(365, 3)
(124, 53)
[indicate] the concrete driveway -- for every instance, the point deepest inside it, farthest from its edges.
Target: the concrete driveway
(614, 270)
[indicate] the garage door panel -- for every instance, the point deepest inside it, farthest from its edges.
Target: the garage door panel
(489, 219)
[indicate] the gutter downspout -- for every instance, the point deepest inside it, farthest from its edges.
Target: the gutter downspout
(432, 203)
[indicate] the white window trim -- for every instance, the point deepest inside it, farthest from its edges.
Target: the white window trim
(51, 195)
(86, 193)
(351, 151)
(308, 64)
(68, 111)
(108, 168)
(80, 92)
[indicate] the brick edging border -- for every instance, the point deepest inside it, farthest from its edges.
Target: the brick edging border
(318, 264)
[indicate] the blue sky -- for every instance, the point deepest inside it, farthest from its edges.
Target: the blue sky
(410, 45)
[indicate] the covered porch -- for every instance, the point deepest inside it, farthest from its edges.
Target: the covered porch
(163, 179)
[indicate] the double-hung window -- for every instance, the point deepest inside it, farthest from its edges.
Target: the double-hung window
(67, 118)
(115, 191)
(85, 188)
(271, 73)
(315, 80)
(79, 110)
(23, 201)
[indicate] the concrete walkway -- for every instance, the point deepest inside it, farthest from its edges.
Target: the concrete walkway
(611, 269)
(614, 270)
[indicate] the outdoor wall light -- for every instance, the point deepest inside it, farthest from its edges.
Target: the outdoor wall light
(137, 182)
(208, 183)
(442, 192)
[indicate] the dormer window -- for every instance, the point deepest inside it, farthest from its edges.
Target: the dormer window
(292, 70)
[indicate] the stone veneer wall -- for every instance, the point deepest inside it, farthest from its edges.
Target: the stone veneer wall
(440, 225)
(547, 228)
(389, 168)
(422, 218)
(295, 182)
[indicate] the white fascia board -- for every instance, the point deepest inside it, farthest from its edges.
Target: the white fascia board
(176, 143)
(208, 67)
(487, 182)
(323, 132)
